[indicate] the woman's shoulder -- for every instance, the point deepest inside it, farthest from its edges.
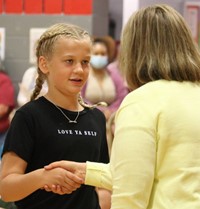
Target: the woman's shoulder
(149, 92)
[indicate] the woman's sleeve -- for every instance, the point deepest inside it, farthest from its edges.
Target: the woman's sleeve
(98, 174)
(133, 156)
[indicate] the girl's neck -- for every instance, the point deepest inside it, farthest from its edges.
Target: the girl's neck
(71, 104)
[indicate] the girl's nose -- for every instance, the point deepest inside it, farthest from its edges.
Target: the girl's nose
(78, 67)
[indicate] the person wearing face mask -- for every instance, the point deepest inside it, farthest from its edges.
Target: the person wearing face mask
(104, 84)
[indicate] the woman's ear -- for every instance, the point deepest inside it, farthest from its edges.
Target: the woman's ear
(42, 63)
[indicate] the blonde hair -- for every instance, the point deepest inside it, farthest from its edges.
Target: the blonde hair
(157, 44)
(45, 47)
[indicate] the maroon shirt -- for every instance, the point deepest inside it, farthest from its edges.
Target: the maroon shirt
(6, 98)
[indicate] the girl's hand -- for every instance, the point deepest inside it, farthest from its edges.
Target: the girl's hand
(61, 181)
(78, 169)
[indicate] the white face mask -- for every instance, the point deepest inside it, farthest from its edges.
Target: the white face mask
(98, 61)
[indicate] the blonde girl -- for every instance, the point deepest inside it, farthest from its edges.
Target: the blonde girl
(57, 126)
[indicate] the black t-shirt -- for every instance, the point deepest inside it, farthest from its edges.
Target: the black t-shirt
(40, 135)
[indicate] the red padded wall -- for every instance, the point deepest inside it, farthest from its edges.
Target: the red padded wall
(1, 6)
(33, 6)
(13, 6)
(53, 6)
(78, 7)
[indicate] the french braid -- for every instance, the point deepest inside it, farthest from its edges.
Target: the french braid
(45, 47)
(91, 106)
(38, 86)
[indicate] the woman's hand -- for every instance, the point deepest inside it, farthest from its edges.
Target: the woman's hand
(75, 176)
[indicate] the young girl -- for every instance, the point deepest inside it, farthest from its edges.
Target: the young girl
(58, 126)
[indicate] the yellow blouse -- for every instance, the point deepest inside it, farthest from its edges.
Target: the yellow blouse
(155, 158)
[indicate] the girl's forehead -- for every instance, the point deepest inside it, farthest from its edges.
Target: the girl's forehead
(72, 46)
(71, 42)
(77, 40)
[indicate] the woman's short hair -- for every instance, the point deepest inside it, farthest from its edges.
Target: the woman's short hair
(157, 44)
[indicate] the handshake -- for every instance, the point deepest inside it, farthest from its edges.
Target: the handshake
(67, 176)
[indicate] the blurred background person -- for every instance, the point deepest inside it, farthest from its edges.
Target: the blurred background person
(7, 103)
(27, 86)
(103, 83)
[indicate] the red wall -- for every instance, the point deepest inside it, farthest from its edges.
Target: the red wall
(77, 6)
(11, 6)
(1, 6)
(33, 6)
(68, 7)
(53, 6)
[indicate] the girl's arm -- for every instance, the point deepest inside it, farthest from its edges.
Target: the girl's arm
(16, 185)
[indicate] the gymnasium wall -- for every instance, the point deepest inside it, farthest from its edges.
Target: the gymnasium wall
(19, 16)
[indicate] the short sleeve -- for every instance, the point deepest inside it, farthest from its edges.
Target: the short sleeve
(20, 136)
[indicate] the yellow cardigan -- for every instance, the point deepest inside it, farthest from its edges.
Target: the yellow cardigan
(155, 159)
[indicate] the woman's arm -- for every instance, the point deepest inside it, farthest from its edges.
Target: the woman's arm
(99, 175)
(16, 185)
(92, 173)
(133, 157)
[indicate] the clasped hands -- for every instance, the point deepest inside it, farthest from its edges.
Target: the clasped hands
(74, 179)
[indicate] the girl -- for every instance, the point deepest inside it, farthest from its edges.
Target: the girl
(57, 126)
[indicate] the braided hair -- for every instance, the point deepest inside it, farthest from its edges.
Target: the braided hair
(45, 47)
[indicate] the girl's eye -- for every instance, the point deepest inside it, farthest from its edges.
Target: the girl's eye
(85, 62)
(69, 61)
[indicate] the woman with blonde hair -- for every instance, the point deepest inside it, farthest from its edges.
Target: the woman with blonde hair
(155, 158)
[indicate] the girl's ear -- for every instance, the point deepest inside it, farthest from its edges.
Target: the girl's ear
(42, 63)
